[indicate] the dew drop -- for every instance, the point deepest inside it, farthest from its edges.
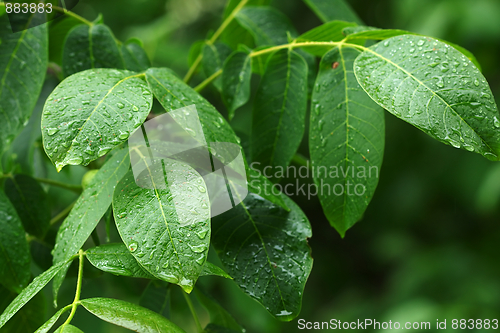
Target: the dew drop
(52, 131)
(198, 248)
(496, 122)
(133, 247)
(120, 105)
(202, 189)
(476, 83)
(123, 135)
(420, 42)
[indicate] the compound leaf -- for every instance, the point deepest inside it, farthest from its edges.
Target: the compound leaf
(23, 63)
(434, 87)
(174, 94)
(166, 228)
(236, 78)
(88, 210)
(264, 248)
(279, 110)
(328, 32)
(31, 203)
(91, 112)
(14, 251)
(346, 140)
(128, 315)
(87, 47)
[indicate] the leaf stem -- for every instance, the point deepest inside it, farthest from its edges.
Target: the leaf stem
(300, 160)
(75, 16)
(214, 37)
(62, 214)
(208, 80)
(193, 312)
(78, 290)
(71, 187)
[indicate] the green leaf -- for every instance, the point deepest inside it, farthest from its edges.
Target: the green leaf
(363, 33)
(91, 112)
(87, 47)
(174, 94)
(30, 291)
(279, 110)
(211, 269)
(330, 10)
(213, 59)
(156, 297)
(166, 229)
(236, 78)
(435, 88)
(265, 250)
(328, 32)
(346, 140)
(134, 57)
(88, 210)
(31, 203)
(129, 315)
(267, 25)
(218, 315)
(14, 251)
(195, 51)
(26, 319)
(45, 328)
(67, 328)
(58, 30)
(23, 63)
(115, 258)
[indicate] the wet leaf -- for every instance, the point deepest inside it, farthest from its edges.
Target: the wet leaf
(167, 229)
(346, 140)
(14, 251)
(129, 315)
(88, 210)
(328, 32)
(329, 10)
(174, 94)
(264, 248)
(26, 319)
(279, 110)
(236, 78)
(134, 57)
(23, 63)
(214, 56)
(31, 203)
(46, 327)
(30, 291)
(91, 112)
(156, 297)
(434, 87)
(87, 47)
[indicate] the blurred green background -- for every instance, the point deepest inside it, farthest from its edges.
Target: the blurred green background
(428, 246)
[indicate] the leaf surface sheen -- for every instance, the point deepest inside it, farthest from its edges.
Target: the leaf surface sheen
(264, 248)
(434, 87)
(236, 78)
(346, 140)
(91, 112)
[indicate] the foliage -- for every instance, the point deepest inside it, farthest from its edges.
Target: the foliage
(108, 89)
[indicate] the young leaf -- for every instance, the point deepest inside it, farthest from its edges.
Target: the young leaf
(31, 203)
(346, 140)
(23, 63)
(328, 32)
(156, 297)
(87, 47)
(267, 25)
(362, 33)
(129, 315)
(30, 291)
(174, 94)
(213, 59)
(236, 81)
(435, 88)
(88, 210)
(265, 250)
(115, 258)
(134, 57)
(279, 110)
(91, 112)
(166, 229)
(329, 10)
(45, 328)
(14, 251)
(218, 315)
(67, 328)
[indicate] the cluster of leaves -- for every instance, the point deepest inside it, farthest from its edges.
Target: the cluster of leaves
(107, 92)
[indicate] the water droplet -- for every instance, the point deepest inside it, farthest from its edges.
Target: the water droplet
(103, 151)
(52, 131)
(135, 108)
(420, 42)
(202, 233)
(146, 92)
(198, 248)
(75, 160)
(496, 122)
(165, 265)
(202, 189)
(476, 83)
(133, 247)
(201, 260)
(123, 135)
(386, 43)
(120, 105)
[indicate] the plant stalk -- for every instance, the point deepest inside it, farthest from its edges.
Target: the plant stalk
(193, 312)
(78, 290)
